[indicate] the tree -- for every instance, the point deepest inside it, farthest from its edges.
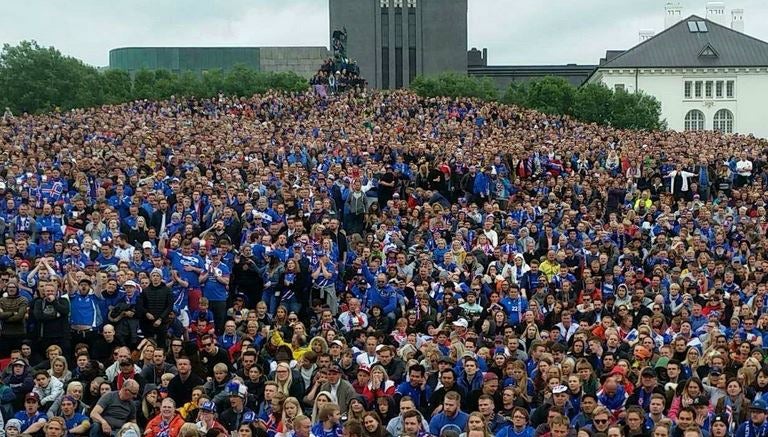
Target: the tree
(635, 111)
(592, 103)
(34, 79)
(144, 84)
(454, 85)
(551, 95)
(116, 86)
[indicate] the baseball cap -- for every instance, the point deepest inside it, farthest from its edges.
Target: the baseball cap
(461, 322)
(334, 368)
(720, 418)
(559, 389)
(701, 401)
(364, 368)
(130, 283)
(32, 396)
(238, 390)
(759, 405)
(337, 343)
(490, 376)
(248, 417)
(648, 373)
(208, 406)
(19, 362)
(146, 245)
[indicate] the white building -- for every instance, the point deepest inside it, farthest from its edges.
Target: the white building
(706, 76)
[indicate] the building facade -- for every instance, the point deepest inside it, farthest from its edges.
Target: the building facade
(303, 61)
(393, 41)
(707, 76)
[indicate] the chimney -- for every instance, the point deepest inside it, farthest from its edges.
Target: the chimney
(646, 34)
(673, 13)
(716, 12)
(737, 20)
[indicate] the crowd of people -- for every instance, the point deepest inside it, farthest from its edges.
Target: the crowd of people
(377, 264)
(339, 73)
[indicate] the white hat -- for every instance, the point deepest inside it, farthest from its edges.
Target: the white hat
(146, 245)
(130, 283)
(461, 322)
(338, 343)
(559, 389)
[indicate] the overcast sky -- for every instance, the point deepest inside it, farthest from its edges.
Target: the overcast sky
(514, 31)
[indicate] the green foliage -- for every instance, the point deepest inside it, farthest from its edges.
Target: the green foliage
(37, 79)
(454, 85)
(33, 78)
(592, 103)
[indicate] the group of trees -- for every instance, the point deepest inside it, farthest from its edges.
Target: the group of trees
(592, 103)
(38, 79)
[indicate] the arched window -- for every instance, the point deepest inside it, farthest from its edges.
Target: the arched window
(723, 121)
(694, 120)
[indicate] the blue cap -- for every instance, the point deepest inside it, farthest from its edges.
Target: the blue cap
(759, 404)
(248, 417)
(209, 406)
(214, 251)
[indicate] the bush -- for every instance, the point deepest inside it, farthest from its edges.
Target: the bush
(454, 85)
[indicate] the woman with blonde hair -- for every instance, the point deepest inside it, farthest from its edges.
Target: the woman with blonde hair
(380, 384)
(476, 422)
(60, 370)
(286, 384)
(318, 345)
(291, 409)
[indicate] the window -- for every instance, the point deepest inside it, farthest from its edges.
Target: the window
(708, 89)
(719, 89)
(697, 87)
(723, 121)
(687, 89)
(729, 89)
(619, 87)
(694, 120)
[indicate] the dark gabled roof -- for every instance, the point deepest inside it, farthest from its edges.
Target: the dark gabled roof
(679, 47)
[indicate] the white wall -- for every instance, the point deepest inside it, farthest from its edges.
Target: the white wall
(751, 91)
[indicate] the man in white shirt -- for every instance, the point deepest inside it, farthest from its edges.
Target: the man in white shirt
(353, 318)
(743, 170)
(369, 357)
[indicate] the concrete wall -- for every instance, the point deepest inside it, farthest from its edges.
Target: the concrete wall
(304, 61)
(750, 93)
(360, 19)
(444, 36)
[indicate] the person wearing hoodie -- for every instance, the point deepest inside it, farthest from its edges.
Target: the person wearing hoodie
(470, 376)
(152, 308)
(13, 310)
(48, 388)
(52, 316)
(20, 381)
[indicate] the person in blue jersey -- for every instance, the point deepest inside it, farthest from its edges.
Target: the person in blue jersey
(186, 270)
(520, 426)
(86, 316)
(451, 418)
(416, 388)
(324, 275)
(757, 425)
(380, 293)
(514, 305)
(32, 419)
(329, 422)
(215, 280)
(77, 423)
